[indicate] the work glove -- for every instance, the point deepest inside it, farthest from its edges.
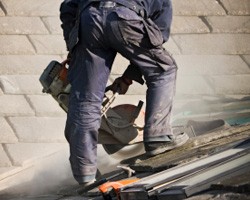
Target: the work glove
(121, 85)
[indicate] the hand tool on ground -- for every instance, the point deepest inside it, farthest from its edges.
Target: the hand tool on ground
(112, 189)
(125, 170)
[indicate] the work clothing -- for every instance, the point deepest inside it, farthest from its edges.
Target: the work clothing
(105, 28)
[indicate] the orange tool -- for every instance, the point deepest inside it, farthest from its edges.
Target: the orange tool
(112, 189)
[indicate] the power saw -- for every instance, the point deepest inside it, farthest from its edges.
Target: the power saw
(120, 125)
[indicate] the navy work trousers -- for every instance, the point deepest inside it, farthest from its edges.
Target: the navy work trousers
(103, 33)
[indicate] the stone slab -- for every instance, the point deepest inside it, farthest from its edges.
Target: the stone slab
(171, 46)
(237, 84)
(4, 159)
(53, 24)
(49, 44)
(1, 13)
(7, 135)
(25, 64)
(197, 7)
(23, 154)
(32, 7)
(120, 65)
(45, 105)
(20, 46)
(15, 105)
(21, 84)
(211, 65)
(247, 59)
(8, 171)
(39, 129)
(213, 44)
(22, 25)
(188, 24)
(240, 7)
(229, 24)
(193, 85)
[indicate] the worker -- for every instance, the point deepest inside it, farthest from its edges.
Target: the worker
(94, 32)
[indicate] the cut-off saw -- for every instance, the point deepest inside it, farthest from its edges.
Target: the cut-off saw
(121, 125)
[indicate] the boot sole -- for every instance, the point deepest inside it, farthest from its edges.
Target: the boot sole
(169, 147)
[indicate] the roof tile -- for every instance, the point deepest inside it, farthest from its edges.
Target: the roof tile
(239, 7)
(40, 129)
(234, 84)
(25, 64)
(20, 46)
(190, 24)
(229, 24)
(17, 106)
(197, 7)
(53, 24)
(211, 65)
(7, 135)
(31, 7)
(214, 44)
(22, 25)
(21, 84)
(48, 44)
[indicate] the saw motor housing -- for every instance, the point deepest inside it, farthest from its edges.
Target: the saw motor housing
(54, 82)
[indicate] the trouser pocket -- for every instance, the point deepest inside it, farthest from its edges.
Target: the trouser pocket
(153, 32)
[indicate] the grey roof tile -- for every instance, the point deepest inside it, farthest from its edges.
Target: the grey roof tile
(25, 64)
(53, 24)
(229, 24)
(213, 44)
(239, 7)
(211, 65)
(31, 7)
(7, 135)
(21, 84)
(197, 7)
(192, 24)
(231, 84)
(22, 25)
(39, 129)
(246, 58)
(24, 153)
(14, 105)
(20, 46)
(4, 159)
(48, 44)
(1, 12)
(45, 105)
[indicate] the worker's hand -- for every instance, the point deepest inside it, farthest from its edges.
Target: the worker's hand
(121, 85)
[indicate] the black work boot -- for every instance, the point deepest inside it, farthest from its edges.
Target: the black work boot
(155, 148)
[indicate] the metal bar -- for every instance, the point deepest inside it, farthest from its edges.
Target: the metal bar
(203, 181)
(171, 175)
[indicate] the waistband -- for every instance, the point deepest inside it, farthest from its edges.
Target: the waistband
(131, 5)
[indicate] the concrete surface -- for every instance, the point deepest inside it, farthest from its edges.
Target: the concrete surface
(210, 41)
